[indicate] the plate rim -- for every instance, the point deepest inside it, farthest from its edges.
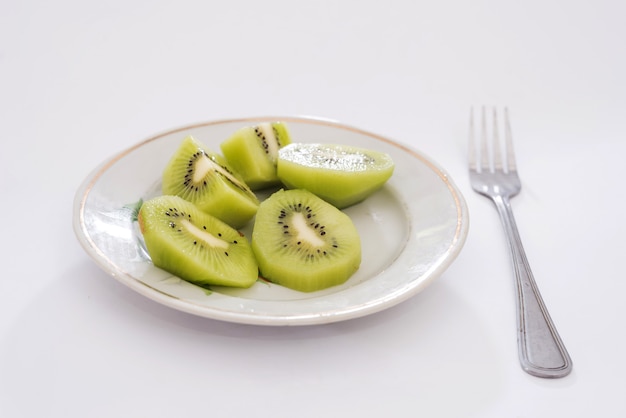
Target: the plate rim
(454, 248)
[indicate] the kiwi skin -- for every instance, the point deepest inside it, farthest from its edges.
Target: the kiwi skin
(195, 246)
(303, 242)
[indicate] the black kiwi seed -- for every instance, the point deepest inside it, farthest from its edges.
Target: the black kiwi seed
(263, 139)
(276, 135)
(188, 177)
(237, 185)
(306, 252)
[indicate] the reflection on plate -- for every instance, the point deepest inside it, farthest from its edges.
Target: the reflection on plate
(411, 230)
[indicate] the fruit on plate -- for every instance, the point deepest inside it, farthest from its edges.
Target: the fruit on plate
(195, 246)
(253, 150)
(205, 178)
(303, 242)
(340, 174)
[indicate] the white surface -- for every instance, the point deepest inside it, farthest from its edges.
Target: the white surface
(80, 81)
(410, 233)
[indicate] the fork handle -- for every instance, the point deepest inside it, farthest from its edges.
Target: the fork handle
(541, 351)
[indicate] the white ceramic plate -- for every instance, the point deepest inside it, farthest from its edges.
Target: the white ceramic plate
(411, 230)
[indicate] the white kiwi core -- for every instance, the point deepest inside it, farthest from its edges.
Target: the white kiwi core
(205, 164)
(205, 236)
(305, 232)
(272, 145)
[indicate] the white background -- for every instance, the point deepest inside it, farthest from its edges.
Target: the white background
(81, 81)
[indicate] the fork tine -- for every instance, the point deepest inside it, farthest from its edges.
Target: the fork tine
(472, 142)
(484, 153)
(497, 153)
(510, 154)
(498, 149)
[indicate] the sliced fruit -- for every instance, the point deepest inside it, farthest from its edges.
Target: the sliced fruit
(195, 246)
(253, 150)
(340, 174)
(303, 242)
(205, 178)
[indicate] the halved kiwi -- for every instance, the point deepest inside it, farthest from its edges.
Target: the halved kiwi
(340, 174)
(205, 178)
(195, 246)
(253, 150)
(303, 242)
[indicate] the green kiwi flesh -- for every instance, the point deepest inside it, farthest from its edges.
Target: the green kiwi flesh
(253, 150)
(205, 178)
(303, 242)
(340, 174)
(195, 246)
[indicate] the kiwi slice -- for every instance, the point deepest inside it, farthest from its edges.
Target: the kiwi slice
(253, 150)
(340, 174)
(205, 178)
(195, 246)
(303, 242)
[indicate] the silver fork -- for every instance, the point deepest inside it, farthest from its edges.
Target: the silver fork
(541, 351)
